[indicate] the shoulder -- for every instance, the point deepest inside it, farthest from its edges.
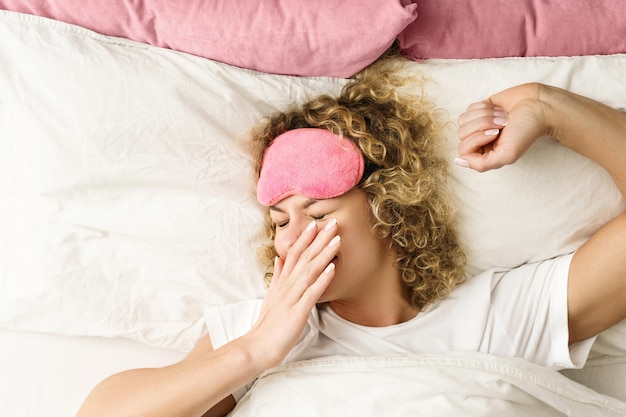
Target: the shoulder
(532, 286)
(530, 305)
(528, 276)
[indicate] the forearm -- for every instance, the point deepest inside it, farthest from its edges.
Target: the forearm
(589, 128)
(188, 388)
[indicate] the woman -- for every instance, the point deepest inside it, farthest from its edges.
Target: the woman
(365, 254)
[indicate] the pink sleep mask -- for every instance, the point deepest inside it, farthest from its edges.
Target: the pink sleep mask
(313, 162)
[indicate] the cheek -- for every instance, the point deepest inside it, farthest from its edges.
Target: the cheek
(363, 245)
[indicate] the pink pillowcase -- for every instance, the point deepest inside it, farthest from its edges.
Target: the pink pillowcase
(310, 38)
(502, 28)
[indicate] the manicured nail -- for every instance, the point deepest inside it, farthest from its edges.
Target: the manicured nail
(500, 121)
(491, 132)
(330, 224)
(310, 226)
(461, 162)
(329, 268)
(334, 241)
(499, 113)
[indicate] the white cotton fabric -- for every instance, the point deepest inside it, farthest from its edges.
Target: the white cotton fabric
(517, 313)
(450, 384)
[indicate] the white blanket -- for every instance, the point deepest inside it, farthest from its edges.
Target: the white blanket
(460, 384)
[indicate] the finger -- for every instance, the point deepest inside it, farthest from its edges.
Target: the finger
(278, 268)
(323, 236)
(487, 121)
(492, 156)
(481, 162)
(312, 294)
(480, 105)
(477, 142)
(295, 251)
(319, 254)
(315, 287)
(477, 110)
(306, 274)
(303, 266)
(471, 115)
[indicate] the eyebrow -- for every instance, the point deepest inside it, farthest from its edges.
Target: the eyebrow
(308, 203)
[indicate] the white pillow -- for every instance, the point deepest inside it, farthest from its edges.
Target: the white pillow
(127, 203)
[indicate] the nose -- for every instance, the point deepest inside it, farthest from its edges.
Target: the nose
(285, 238)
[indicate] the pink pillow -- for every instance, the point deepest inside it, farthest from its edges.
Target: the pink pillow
(310, 38)
(502, 28)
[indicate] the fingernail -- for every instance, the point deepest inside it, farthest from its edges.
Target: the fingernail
(492, 132)
(334, 241)
(500, 121)
(461, 162)
(330, 224)
(329, 268)
(310, 226)
(499, 113)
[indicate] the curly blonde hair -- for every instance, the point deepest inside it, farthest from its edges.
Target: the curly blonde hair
(407, 189)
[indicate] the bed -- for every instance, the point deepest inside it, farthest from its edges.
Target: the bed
(127, 201)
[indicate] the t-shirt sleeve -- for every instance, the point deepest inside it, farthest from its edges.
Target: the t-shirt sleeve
(228, 322)
(530, 302)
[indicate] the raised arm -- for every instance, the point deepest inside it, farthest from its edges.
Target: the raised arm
(499, 130)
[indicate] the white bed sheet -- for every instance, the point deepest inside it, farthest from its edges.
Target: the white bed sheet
(50, 375)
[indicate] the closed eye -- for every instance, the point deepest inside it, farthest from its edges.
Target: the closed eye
(280, 225)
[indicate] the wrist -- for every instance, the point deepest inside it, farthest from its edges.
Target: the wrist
(255, 354)
(549, 102)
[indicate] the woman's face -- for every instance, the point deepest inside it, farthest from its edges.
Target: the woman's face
(362, 258)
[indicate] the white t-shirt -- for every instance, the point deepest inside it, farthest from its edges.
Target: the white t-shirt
(515, 313)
